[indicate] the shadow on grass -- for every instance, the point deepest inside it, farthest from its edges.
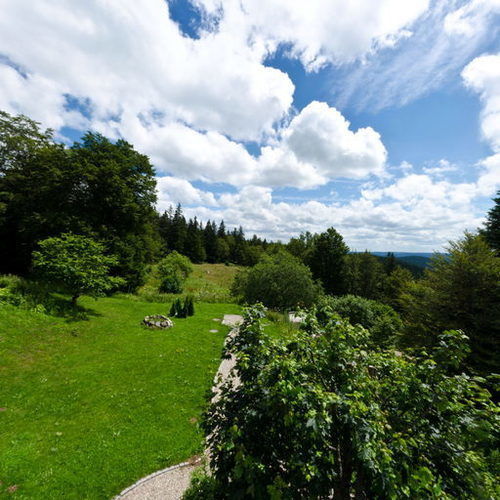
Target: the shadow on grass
(39, 297)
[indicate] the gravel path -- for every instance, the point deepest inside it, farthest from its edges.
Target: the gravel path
(172, 482)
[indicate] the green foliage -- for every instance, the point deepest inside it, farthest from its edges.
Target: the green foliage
(491, 229)
(76, 264)
(180, 309)
(324, 415)
(383, 323)
(171, 283)
(97, 188)
(326, 259)
(365, 275)
(173, 271)
(279, 281)
(460, 290)
(180, 264)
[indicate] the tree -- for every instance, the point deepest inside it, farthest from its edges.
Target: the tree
(364, 275)
(396, 284)
(104, 190)
(279, 281)
(194, 247)
(321, 414)
(76, 264)
(383, 323)
(327, 261)
(459, 290)
(491, 229)
(210, 241)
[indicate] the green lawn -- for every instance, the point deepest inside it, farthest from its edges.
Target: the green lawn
(207, 283)
(89, 406)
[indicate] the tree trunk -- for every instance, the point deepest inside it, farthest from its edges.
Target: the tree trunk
(74, 299)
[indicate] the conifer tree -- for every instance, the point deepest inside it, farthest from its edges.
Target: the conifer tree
(491, 230)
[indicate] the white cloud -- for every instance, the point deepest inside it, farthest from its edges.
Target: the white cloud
(483, 76)
(318, 31)
(471, 17)
(172, 190)
(443, 166)
(444, 39)
(413, 213)
(130, 56)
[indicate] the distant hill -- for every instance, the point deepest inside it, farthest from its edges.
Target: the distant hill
(415, 260)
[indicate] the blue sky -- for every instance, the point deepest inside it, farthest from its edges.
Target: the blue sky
(381, 119)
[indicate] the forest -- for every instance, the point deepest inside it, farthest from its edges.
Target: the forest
(388, 388)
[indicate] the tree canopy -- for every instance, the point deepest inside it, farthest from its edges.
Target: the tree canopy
(75, 264)
(322, 414)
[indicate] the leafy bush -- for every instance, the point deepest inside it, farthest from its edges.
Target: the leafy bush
(279, 281)
(75, 264)
(173, 271)
(178, 263)
(323, 415)
(171, 283)
(381, 320)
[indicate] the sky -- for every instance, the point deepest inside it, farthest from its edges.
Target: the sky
(380, 118)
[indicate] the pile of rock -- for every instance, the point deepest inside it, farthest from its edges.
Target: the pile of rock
(158, 321)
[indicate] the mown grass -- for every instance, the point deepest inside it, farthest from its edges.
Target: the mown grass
(207, 283)
(89, 406)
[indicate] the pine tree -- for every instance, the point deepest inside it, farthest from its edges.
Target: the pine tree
(221, 232)
(179, 230)
(327, 261)
(210, 238)
(491, 230)
(194, 245)
(390, 263)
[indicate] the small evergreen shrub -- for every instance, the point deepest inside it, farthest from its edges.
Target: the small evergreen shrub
(181, 309)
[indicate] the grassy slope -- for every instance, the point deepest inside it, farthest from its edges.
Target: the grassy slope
(90, 406)
(208, 283)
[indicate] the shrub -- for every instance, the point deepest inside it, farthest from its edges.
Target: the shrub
(324, 415)
(381, 320)
(280, 282)
(182, 310)
(177, 263)
(171, 283)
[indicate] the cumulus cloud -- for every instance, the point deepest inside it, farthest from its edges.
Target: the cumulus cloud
(172, 190)
(129, 55)
(414, 212)
(483, 76)
(319, 31)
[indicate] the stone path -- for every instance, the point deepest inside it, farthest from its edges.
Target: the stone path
(172, 482)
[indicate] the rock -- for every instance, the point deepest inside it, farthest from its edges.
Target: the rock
(158, 321)
(213, 331)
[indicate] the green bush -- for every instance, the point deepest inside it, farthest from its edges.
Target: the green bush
(381, 320)
(279, 282)
(172, 272)
(171, 283)
(324, 415)
(180, 264)
(179, 309)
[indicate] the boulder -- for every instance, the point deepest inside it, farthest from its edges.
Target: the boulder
(158, 321)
